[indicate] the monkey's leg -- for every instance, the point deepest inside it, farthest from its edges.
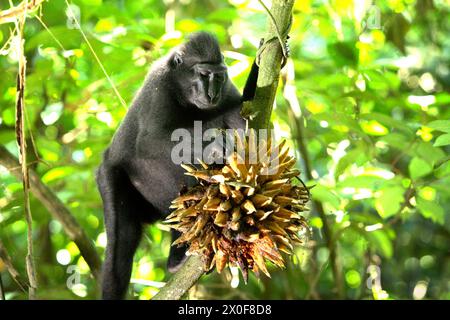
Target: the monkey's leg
(122, 203)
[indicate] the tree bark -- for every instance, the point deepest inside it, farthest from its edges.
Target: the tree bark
(182, 281)
(57, 209)
(270, 65)
(15, 275)
(261, 107)
(10, 15)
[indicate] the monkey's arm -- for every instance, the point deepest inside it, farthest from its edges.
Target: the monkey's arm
(250, 86)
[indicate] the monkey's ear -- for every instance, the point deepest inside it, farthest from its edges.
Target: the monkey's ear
(176, 60)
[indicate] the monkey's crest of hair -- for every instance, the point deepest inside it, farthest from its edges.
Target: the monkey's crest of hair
(203, 45)
(200, 47)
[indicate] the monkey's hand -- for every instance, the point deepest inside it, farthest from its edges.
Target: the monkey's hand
(247, 112)
(285, 49)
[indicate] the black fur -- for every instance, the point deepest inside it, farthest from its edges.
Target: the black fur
(137, 179)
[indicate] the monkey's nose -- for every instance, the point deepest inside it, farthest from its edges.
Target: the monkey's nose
(213, 92)
(214, 88)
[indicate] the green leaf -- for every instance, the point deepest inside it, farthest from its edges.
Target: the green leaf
(374, 128)
(69, 38)
(223, 15)
(57, 173)
(419, 168)
(356, 156)
(389, 202)
(386, 121)
(363, 181)
(431, 210)
(396, 140)
(95, 3)
(325, 195)
(340, 120)
(442, 140)
(440, 125)
(8, 116)
(443, 170)
(344, 53)
(7, 136)
(379, 239)
(365, 218)
(426, 150)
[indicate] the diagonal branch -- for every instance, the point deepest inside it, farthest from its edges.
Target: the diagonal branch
(15, 275)
(183, 280)
(57, 209)
(10, 15)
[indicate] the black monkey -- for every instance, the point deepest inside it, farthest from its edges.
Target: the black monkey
(137, 178)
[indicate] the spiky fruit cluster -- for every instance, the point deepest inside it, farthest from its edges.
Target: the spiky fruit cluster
(244, 212)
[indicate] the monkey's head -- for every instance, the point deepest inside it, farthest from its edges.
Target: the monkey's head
(199, 72)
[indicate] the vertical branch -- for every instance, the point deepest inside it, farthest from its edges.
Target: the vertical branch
(20, 135)
(270, 64)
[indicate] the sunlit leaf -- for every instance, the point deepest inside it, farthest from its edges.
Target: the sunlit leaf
(432, 154)
(374, 128)
(381, 241)
(356, 156)
(57, 173)
(431, 210)
(325, 195)
(419, 168)
(389, 202)
(440, 125)
(363, 181)
(442, 140)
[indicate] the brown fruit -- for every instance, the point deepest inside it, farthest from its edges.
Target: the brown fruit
(243, 214)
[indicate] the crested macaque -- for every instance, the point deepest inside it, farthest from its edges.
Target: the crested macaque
(137, 178)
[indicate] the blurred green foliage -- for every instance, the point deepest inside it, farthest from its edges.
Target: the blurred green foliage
(372, 82)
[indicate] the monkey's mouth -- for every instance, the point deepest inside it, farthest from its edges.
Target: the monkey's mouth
(208, 103)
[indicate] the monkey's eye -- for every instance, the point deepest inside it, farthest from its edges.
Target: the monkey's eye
(204, 74)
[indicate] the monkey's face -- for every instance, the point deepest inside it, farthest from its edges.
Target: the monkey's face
(207, 83)
(201, 83)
